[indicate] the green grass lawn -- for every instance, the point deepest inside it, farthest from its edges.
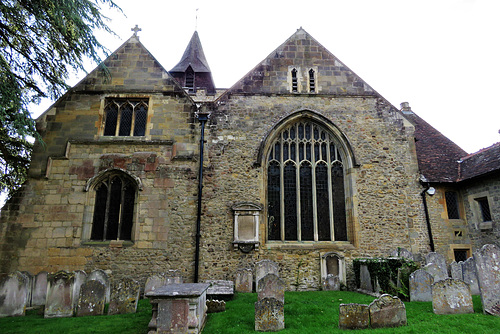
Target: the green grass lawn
(305, 312)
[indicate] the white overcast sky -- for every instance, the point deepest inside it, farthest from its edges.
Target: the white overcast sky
(441, 56)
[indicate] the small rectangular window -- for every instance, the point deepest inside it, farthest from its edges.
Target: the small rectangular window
(294, 81)
(452, 204)
(485, 208)
(312, 83)
(461, 254)
(125, 117)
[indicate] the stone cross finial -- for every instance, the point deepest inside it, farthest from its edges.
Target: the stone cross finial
(136, 29)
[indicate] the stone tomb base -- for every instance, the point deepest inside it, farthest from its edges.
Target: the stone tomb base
(178, 308)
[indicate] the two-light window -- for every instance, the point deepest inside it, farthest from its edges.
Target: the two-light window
(125, 117)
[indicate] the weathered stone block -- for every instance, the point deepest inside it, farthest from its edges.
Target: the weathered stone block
(354, 316)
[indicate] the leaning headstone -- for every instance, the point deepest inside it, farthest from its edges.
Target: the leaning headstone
(403, 253)
(31, 280)
(154, 282)
(331, 283)
(39, 293)
(264, 267)
(13, 294)
(59, 302)
(488, 274)
(470, 276)
(451, 296)
(220, 289)
(215, 306)
(354, 316)
(436, 266)
(365, 280)
(420, 286)
(80, 278)
(124, 296)
(387, 311)
(269, 315)
(91, 300)
(243, 280)
(101, 276)
(271, 286)
(456, 270)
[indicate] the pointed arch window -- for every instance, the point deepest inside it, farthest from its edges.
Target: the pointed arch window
(125, 117)
(305, 185)
(114, 207)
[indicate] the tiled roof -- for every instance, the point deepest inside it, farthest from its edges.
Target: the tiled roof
(193, 56)
(480, 163)
(437, 155)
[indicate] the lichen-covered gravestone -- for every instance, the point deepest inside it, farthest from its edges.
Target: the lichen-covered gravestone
(354, 316)
(101, 276)
(420, 286)
(470, 276)
(331, 283)
(436, 266)
(124, 296)
(243, 280)
(456, 270)
(80, 278)
(91, 300)
(39, 293)
(387, 311)
(154, 282)
(13, 294)
(488, 274)
(402, 253)
(451, 296)
(365, 280)
(269, 315)
(31, 280)
(264, 267)
(59, 301)
(271, 286)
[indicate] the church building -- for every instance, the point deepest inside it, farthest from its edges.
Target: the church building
(144, 170)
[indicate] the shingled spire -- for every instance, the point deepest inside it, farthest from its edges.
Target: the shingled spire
(193, 72)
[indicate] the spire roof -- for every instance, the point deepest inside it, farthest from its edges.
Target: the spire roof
(193, 56)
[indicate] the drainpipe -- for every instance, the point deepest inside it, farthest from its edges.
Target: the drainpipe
(202, 118)
(430, 191)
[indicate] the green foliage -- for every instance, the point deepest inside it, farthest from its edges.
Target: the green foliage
(385, 272)
(41, 41)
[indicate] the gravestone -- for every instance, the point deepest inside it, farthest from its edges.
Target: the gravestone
(13, 294)
(403, 253)
(173, 277)
(124, 296)
(387, 311)
(365, 280)
(215, 306)
(331, 283)
(436, 266)
(269, 315)
(59, 302)
(264, 267)
(420, 286)
(451, 296)
(354, 316)
(101, 276)
(456, 270)
(271, 286)
(80, 278)
(470, 276)
(91, 300)
(39, 293)
(154, 282)
(244, 280)
(488, 274)
(31, 281)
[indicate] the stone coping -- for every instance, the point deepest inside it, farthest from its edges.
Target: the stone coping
(182, 290)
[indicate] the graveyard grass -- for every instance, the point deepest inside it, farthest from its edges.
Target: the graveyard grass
(314, 312)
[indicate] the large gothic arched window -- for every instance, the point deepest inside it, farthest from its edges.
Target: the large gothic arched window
(305, 185)
(114, 207)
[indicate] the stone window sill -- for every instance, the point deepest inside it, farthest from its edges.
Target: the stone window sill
(336, 245)
(109, 243)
